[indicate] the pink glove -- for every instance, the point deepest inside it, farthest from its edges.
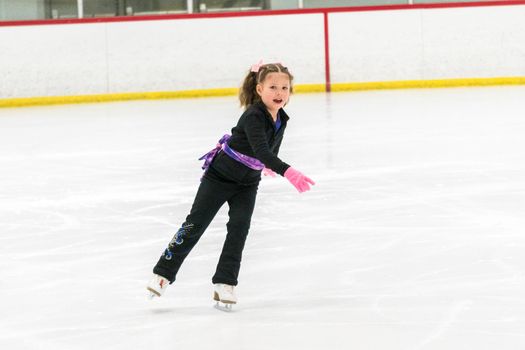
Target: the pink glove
(300, 181)
(268, 172)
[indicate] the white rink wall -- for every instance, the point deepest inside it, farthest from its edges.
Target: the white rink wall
(471, 42)
(158, 55)
(209, 53)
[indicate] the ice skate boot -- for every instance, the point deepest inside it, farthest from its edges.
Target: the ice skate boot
(157, 286)
(225, 296)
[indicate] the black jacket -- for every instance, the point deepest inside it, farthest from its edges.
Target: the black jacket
(255, 136)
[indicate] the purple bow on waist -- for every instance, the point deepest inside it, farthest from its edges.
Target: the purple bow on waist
(250, 162)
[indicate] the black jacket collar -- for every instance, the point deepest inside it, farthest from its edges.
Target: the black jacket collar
(260, 106)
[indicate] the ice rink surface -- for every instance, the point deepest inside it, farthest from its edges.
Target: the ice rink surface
(413, 237)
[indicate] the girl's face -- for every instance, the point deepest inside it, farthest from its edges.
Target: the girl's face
(274, 91)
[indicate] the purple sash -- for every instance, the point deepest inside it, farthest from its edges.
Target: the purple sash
(222, 145)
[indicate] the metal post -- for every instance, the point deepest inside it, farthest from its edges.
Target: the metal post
(80, 8)
(189, 6)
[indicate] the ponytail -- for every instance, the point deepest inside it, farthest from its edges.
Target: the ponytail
(248, 94)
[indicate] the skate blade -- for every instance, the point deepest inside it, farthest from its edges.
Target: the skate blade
(152, 293)
(224, 307)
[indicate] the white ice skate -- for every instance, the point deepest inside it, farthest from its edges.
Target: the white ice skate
(157, 286)
(225, 296)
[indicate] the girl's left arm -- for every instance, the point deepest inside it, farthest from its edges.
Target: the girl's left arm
(277, 146)
(256, 134)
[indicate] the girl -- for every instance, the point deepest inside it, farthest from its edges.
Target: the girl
(232, 174)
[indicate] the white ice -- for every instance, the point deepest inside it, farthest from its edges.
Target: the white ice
(413, 237)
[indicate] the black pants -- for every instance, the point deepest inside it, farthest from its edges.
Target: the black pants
(213, 192)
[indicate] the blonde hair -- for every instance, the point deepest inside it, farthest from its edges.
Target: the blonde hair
(248, 94)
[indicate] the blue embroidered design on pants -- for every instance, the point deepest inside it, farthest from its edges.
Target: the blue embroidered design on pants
(168, 254)
(178, 239)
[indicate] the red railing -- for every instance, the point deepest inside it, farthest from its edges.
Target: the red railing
(257, 13)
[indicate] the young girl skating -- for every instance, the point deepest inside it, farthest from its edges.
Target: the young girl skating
(232, 174)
